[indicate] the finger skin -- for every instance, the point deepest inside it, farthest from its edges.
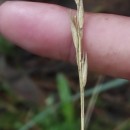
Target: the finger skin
(44, 29)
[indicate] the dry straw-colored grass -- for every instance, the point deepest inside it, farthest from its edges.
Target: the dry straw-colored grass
(77, 23)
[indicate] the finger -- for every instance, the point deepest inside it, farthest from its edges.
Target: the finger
(37, 27)
(44, 29)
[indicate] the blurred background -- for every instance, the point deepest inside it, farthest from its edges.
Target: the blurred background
(37, 93)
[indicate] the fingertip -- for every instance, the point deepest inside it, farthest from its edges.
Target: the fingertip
(37, 27)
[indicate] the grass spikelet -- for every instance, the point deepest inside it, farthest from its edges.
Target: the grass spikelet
(77, 23)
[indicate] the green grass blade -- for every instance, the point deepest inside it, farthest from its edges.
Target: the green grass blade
(65, 98)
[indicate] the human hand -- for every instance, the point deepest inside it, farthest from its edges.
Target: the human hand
(44, 29)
